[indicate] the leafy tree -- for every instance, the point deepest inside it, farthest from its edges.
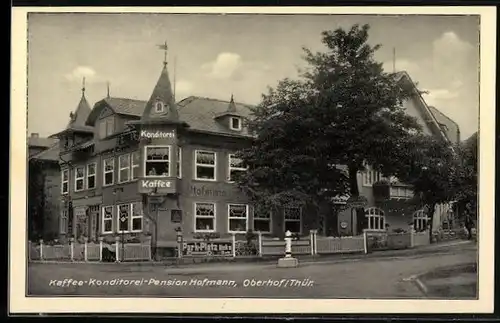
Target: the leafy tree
(429, 164)
(465, 182)
(344, 110)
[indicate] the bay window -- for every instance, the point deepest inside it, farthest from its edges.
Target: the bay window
(205, 165)
(157, 161)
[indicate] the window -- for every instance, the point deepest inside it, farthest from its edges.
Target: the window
(179, 162)
(159, 107)
(106, 127)
(205, 165)
(65, 181)
(136, 216)
(293, 219)
(109, 172)
(135, 158)
(63, 223)
(370, 176)
(204, 217)
(124, 168)
(123, 216)
(79, 178)
(401, 192)
(157, 162)
(235, 123)
(262, 221)
(420, 221)
(91, 173)
(375, 219)
(237, 215)
(107, 219)
(235, 167)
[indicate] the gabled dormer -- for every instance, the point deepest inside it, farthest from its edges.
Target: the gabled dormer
(232, 119)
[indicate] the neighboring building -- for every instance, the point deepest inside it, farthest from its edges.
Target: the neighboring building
(398, 212)
(43, 187)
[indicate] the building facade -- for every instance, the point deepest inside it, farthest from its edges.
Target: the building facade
(146, 169)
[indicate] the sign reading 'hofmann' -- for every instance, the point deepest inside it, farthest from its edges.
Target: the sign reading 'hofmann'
(153, 183)
(157, 134)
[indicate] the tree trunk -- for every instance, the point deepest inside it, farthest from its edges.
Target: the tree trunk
(431, 220)
(353, 181)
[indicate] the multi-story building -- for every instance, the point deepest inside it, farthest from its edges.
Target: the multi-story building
(138, 168)
(43, 187)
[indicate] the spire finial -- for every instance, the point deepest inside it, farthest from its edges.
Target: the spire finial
(83, 86)
(107, 85)
(164, 47)
(232, 97)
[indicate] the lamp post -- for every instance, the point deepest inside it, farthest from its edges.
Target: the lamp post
(154, 239)
(120, 219)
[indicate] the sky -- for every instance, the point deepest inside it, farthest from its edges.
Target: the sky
(219, 55)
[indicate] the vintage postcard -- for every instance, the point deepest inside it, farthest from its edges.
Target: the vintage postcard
(252, 160)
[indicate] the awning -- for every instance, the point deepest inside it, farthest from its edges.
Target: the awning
(84, 145)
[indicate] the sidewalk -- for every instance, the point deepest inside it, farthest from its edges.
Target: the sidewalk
(303, 260)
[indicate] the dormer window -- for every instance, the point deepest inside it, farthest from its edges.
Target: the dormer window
(159, 107)
(235, 123)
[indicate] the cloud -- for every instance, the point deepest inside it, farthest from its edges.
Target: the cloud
(183, 89)
(80, 72)
(224, 66)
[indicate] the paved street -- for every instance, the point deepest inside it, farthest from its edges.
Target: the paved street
(383, 277)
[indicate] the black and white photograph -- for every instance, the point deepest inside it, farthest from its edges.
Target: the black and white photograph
(253, 156)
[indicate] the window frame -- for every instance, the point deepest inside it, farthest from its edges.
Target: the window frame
(231, 123)
(110, 126)
(196, 165)
(104, 172)
(162, 106)
(370, 176)
(65, 171)
(103, 219)
(179, 162)
(63, 221)
(285, 220)
(133, 166)
(145, 160)
(229, 168)
(420, 216)
(214, 217)
(229, 217)
(377, 216)
(87, 176)
(132, 217)
(79, 178)
(117, 215)
(269, 220)
(120, 168)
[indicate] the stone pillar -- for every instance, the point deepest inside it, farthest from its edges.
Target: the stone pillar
(288, 261)
(100, 248)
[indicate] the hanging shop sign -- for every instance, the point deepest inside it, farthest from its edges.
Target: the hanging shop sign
(156, 185)
(176, 216)
(210, 249)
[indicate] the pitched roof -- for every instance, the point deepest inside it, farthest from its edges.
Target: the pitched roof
(450, 127)
(41, 142)
(79, 117)
(50, 154)
(162, 94)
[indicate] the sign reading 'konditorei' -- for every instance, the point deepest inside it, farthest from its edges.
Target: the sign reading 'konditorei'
(157, 134)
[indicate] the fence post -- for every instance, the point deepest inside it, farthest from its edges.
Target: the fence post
(41, 249)
(117, 248)
(412, 237)
(365, 242)
(311, 241)
(234, 244)
(315, 242)
(100, 249)
(259, 234)
(85, 250)
(71, 251)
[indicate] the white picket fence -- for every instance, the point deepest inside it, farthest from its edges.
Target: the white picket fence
(88, 251)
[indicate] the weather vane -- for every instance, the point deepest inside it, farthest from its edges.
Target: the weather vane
(165, 48)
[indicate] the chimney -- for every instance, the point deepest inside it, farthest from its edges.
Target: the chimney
(34, 135)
